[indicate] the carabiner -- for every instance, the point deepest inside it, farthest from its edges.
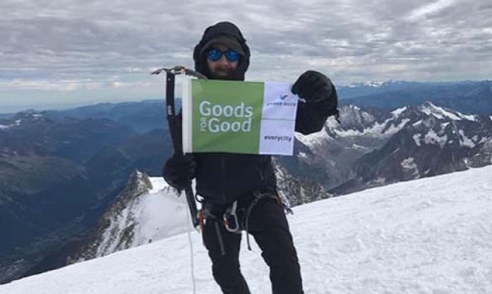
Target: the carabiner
(230, 214)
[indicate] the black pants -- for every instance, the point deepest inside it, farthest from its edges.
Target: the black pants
(268, 225)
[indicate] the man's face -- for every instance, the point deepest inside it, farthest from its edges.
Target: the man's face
(222, 69)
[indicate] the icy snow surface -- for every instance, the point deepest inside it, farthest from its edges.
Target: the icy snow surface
(432, 235)
(161, 214)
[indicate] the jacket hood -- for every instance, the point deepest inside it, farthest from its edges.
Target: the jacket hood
(221, 29)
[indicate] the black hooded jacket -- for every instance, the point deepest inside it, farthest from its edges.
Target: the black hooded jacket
(223, 177)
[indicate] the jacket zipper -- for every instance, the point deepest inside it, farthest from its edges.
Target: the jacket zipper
(260, 169)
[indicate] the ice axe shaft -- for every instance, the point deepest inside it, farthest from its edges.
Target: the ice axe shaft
(175, 129)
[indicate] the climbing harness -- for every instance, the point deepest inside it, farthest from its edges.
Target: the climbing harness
(234, 219)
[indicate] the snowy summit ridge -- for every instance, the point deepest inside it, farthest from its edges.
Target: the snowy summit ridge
(432, 235)
(146, 211)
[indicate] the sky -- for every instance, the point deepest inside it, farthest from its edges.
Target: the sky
(431, 235)
(66, 52)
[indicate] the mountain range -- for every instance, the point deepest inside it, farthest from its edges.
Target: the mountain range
(58, 175)
(373, 147)
(62, 171)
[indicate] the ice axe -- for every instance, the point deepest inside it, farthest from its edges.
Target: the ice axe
(174, 125)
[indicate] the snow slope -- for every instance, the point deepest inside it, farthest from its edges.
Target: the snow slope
(146, 211)
(152, 216)
(432, 235)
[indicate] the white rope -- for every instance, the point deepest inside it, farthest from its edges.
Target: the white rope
(189, 229)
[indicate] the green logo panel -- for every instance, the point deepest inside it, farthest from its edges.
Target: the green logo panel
(226, 116)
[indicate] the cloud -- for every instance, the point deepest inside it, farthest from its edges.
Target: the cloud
(71, 45)
(428, 9)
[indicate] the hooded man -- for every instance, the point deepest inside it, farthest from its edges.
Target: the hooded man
(239, 191)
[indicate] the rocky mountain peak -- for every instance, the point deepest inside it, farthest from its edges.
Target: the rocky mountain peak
(355, 118)
(115, 228)
(143, 212)
(442, 113)
(373, 147)
(138, 183)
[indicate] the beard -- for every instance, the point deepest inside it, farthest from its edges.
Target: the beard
(223, 73)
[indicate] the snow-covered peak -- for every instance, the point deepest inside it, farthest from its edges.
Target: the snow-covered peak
(359, 122)
(441, 113)
(398, 111)
(147, 210)
(430, 235)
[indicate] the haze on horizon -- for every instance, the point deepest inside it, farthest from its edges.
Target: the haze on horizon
(69, 53)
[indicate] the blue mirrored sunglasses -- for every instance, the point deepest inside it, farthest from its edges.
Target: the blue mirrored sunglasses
(216, 55)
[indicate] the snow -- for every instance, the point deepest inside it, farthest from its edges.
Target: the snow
(313, 139)
(411, 167)
(417, 123)
(465, 141)
(349, 133)
(441, 113)
(160, 216)
(150, 215)
(379, 181)
(408, 163)
(433, 138)
(398, 111)
(359, 147)
(114, 233)
(386, 128)
(431, 109)
(157, 184)
(432, 235)
(469, 117)
(376, 130)
(17, 123)
(394, 129)
(318, 138)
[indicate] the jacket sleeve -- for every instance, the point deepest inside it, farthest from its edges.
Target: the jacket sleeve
(311, 117)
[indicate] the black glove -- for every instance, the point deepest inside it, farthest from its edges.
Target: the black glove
(179, 170)
(313, 86)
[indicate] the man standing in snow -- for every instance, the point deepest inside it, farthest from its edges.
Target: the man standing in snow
(243, 187)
